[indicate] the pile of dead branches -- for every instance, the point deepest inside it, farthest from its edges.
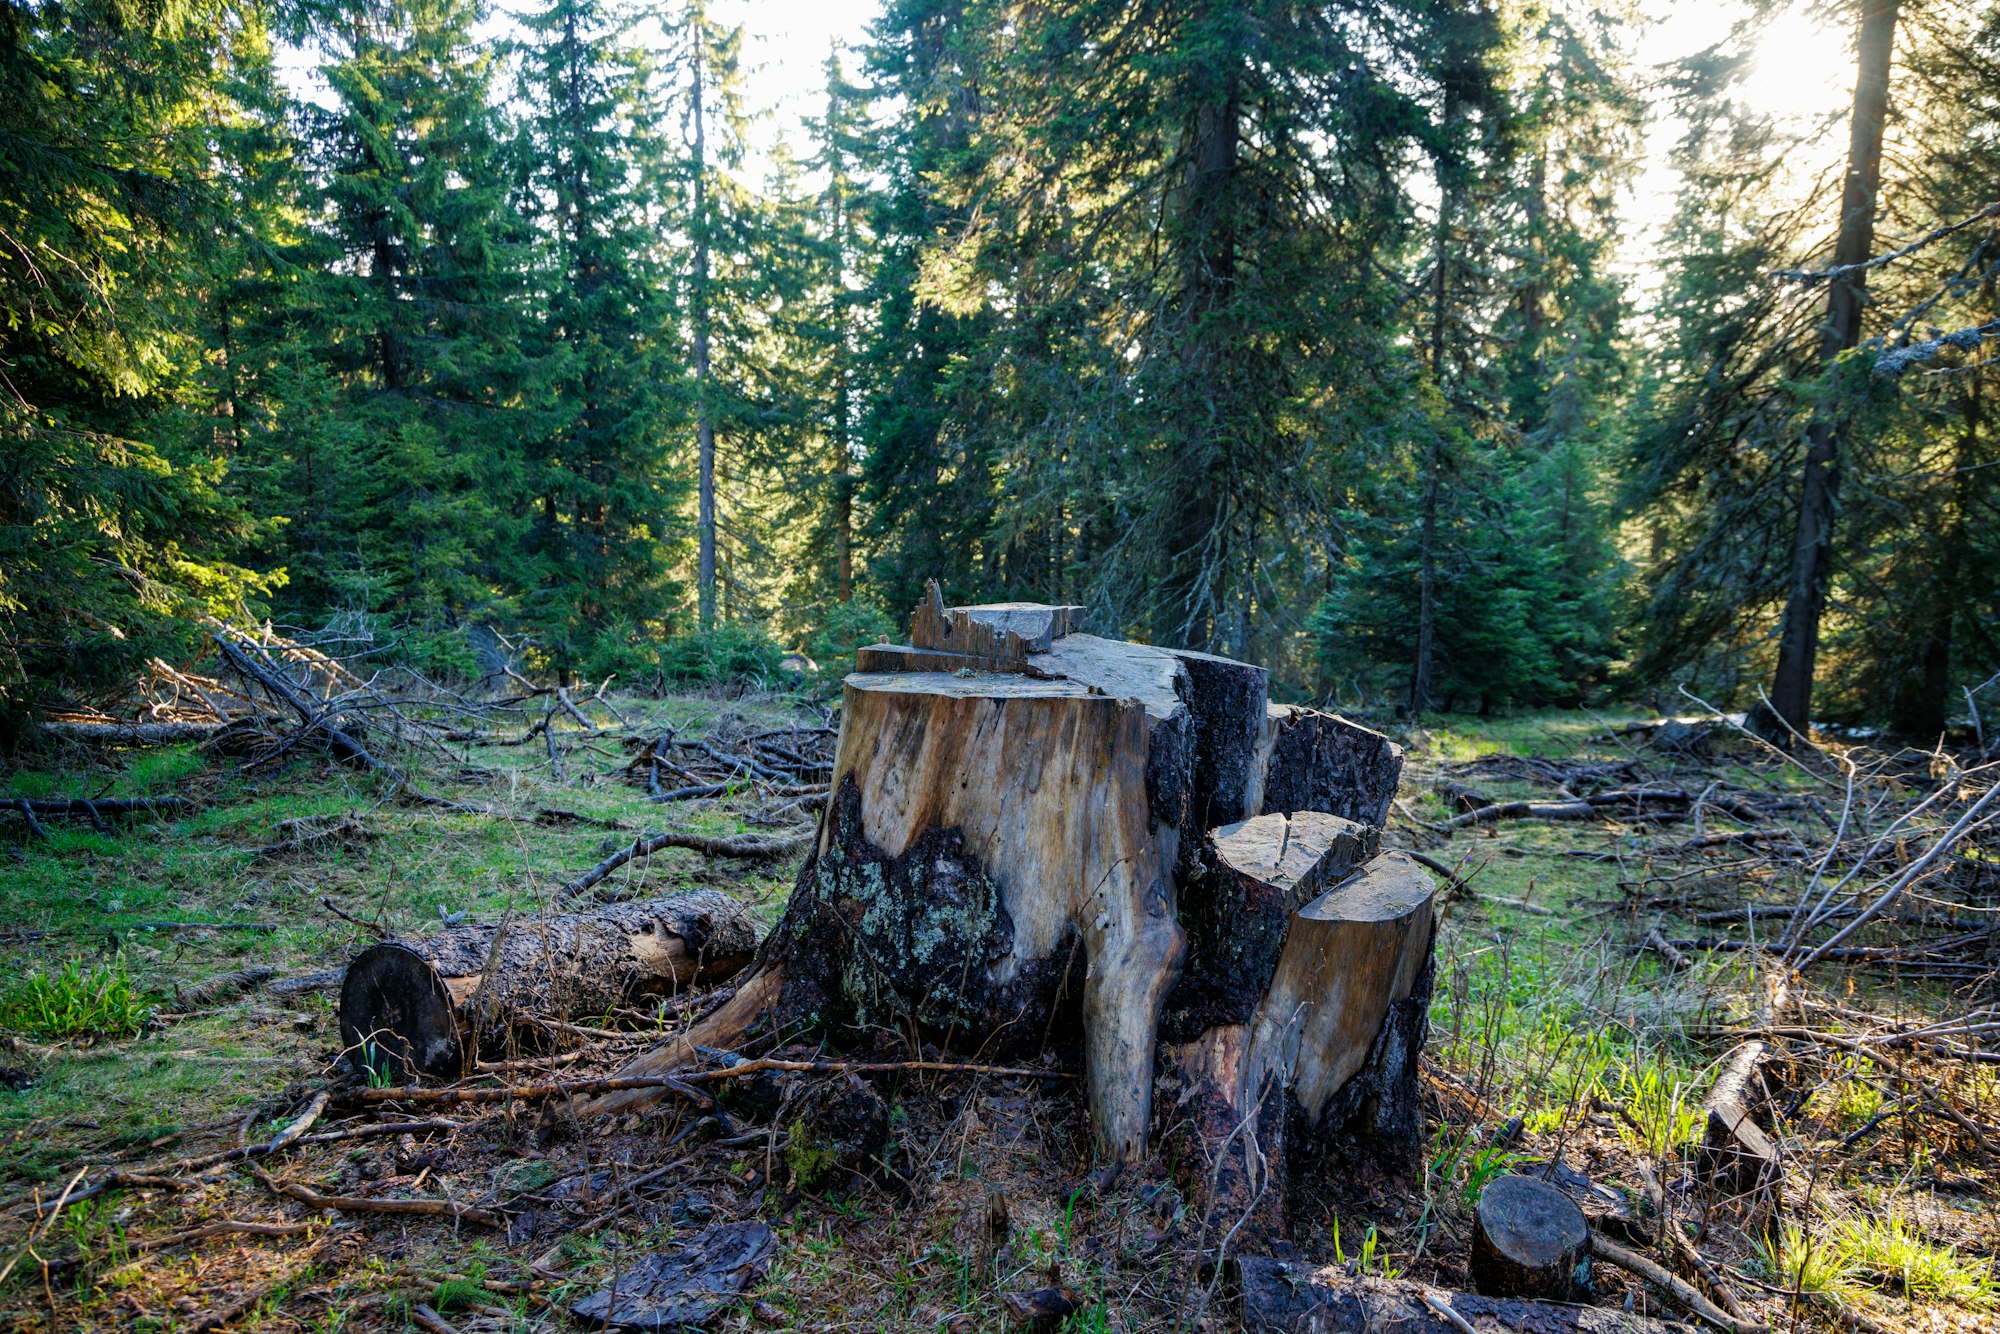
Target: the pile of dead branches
(781, 762)
(1885, 859)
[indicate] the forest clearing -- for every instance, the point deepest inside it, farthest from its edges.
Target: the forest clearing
(1616, 895)
(1015, 666)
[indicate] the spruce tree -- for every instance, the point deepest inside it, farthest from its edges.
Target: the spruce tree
(116, 531)
(597, 576)
(402, 426)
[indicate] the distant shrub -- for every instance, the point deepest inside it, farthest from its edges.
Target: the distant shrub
(846, 627)
(731, 652)
(625, 649)
(74, 1002)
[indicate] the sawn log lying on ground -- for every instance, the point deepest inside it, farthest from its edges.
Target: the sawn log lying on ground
(430, 1005)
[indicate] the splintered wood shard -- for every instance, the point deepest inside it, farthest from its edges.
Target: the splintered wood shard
(1039, 838)
(993, 632)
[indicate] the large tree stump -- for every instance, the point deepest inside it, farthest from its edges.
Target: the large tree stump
(1064, 836)
(429, 1005)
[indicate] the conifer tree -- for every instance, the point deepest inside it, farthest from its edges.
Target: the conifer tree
(926, 482)
(601, 461)
(116, 532)
(401, 427)
(725, 291)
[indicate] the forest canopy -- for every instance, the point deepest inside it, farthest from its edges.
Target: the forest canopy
(1306, 333)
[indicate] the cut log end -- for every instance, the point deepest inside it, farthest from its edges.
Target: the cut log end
(397, 1018)
(1529, 1239)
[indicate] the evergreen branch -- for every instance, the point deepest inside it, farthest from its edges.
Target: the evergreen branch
(1842, 270)
(1898, 360)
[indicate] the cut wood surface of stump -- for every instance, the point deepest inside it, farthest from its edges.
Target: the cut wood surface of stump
(1060, 838)
(430, 1004)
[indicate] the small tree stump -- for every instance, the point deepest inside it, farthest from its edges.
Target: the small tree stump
(1529, 1239)
(429, 1005)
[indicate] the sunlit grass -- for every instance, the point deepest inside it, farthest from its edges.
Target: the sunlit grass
(1805, 1263)
(1865, 1251)
(1889, 1247)
(76, 1000)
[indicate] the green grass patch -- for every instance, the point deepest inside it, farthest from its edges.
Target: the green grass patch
(77, 1000)
(1893, 1252)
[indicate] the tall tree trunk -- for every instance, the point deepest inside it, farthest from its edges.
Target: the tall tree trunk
(703, 405)
(1207, 279)
(1420, 674)
(1812, 546)
(1924, 717)
(1420, 669)
(843, 476)
(231, 395)
(843, 498)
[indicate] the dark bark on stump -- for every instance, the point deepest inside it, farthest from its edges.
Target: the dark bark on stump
(1323, 762)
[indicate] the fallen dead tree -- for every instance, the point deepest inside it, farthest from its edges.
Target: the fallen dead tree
(752, 846)
(34, 810)
(789, 761)
(1125, 843)
(431, 1005)
(1640, 802)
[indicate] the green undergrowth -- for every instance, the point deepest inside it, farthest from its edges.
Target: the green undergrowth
(1848, 1257)
(100, 930)
(75, 1000)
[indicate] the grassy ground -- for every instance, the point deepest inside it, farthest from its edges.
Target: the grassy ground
(1542, 1014)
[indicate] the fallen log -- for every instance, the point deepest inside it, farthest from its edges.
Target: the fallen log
(754, 847)
(220, 988)
(1089, 847)
(1735, 1145)
(134, 734)
(432, 1005)
(31, 809)
(1285, 1297)
(353, 1204)
(102, 806)
(1653, 802)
